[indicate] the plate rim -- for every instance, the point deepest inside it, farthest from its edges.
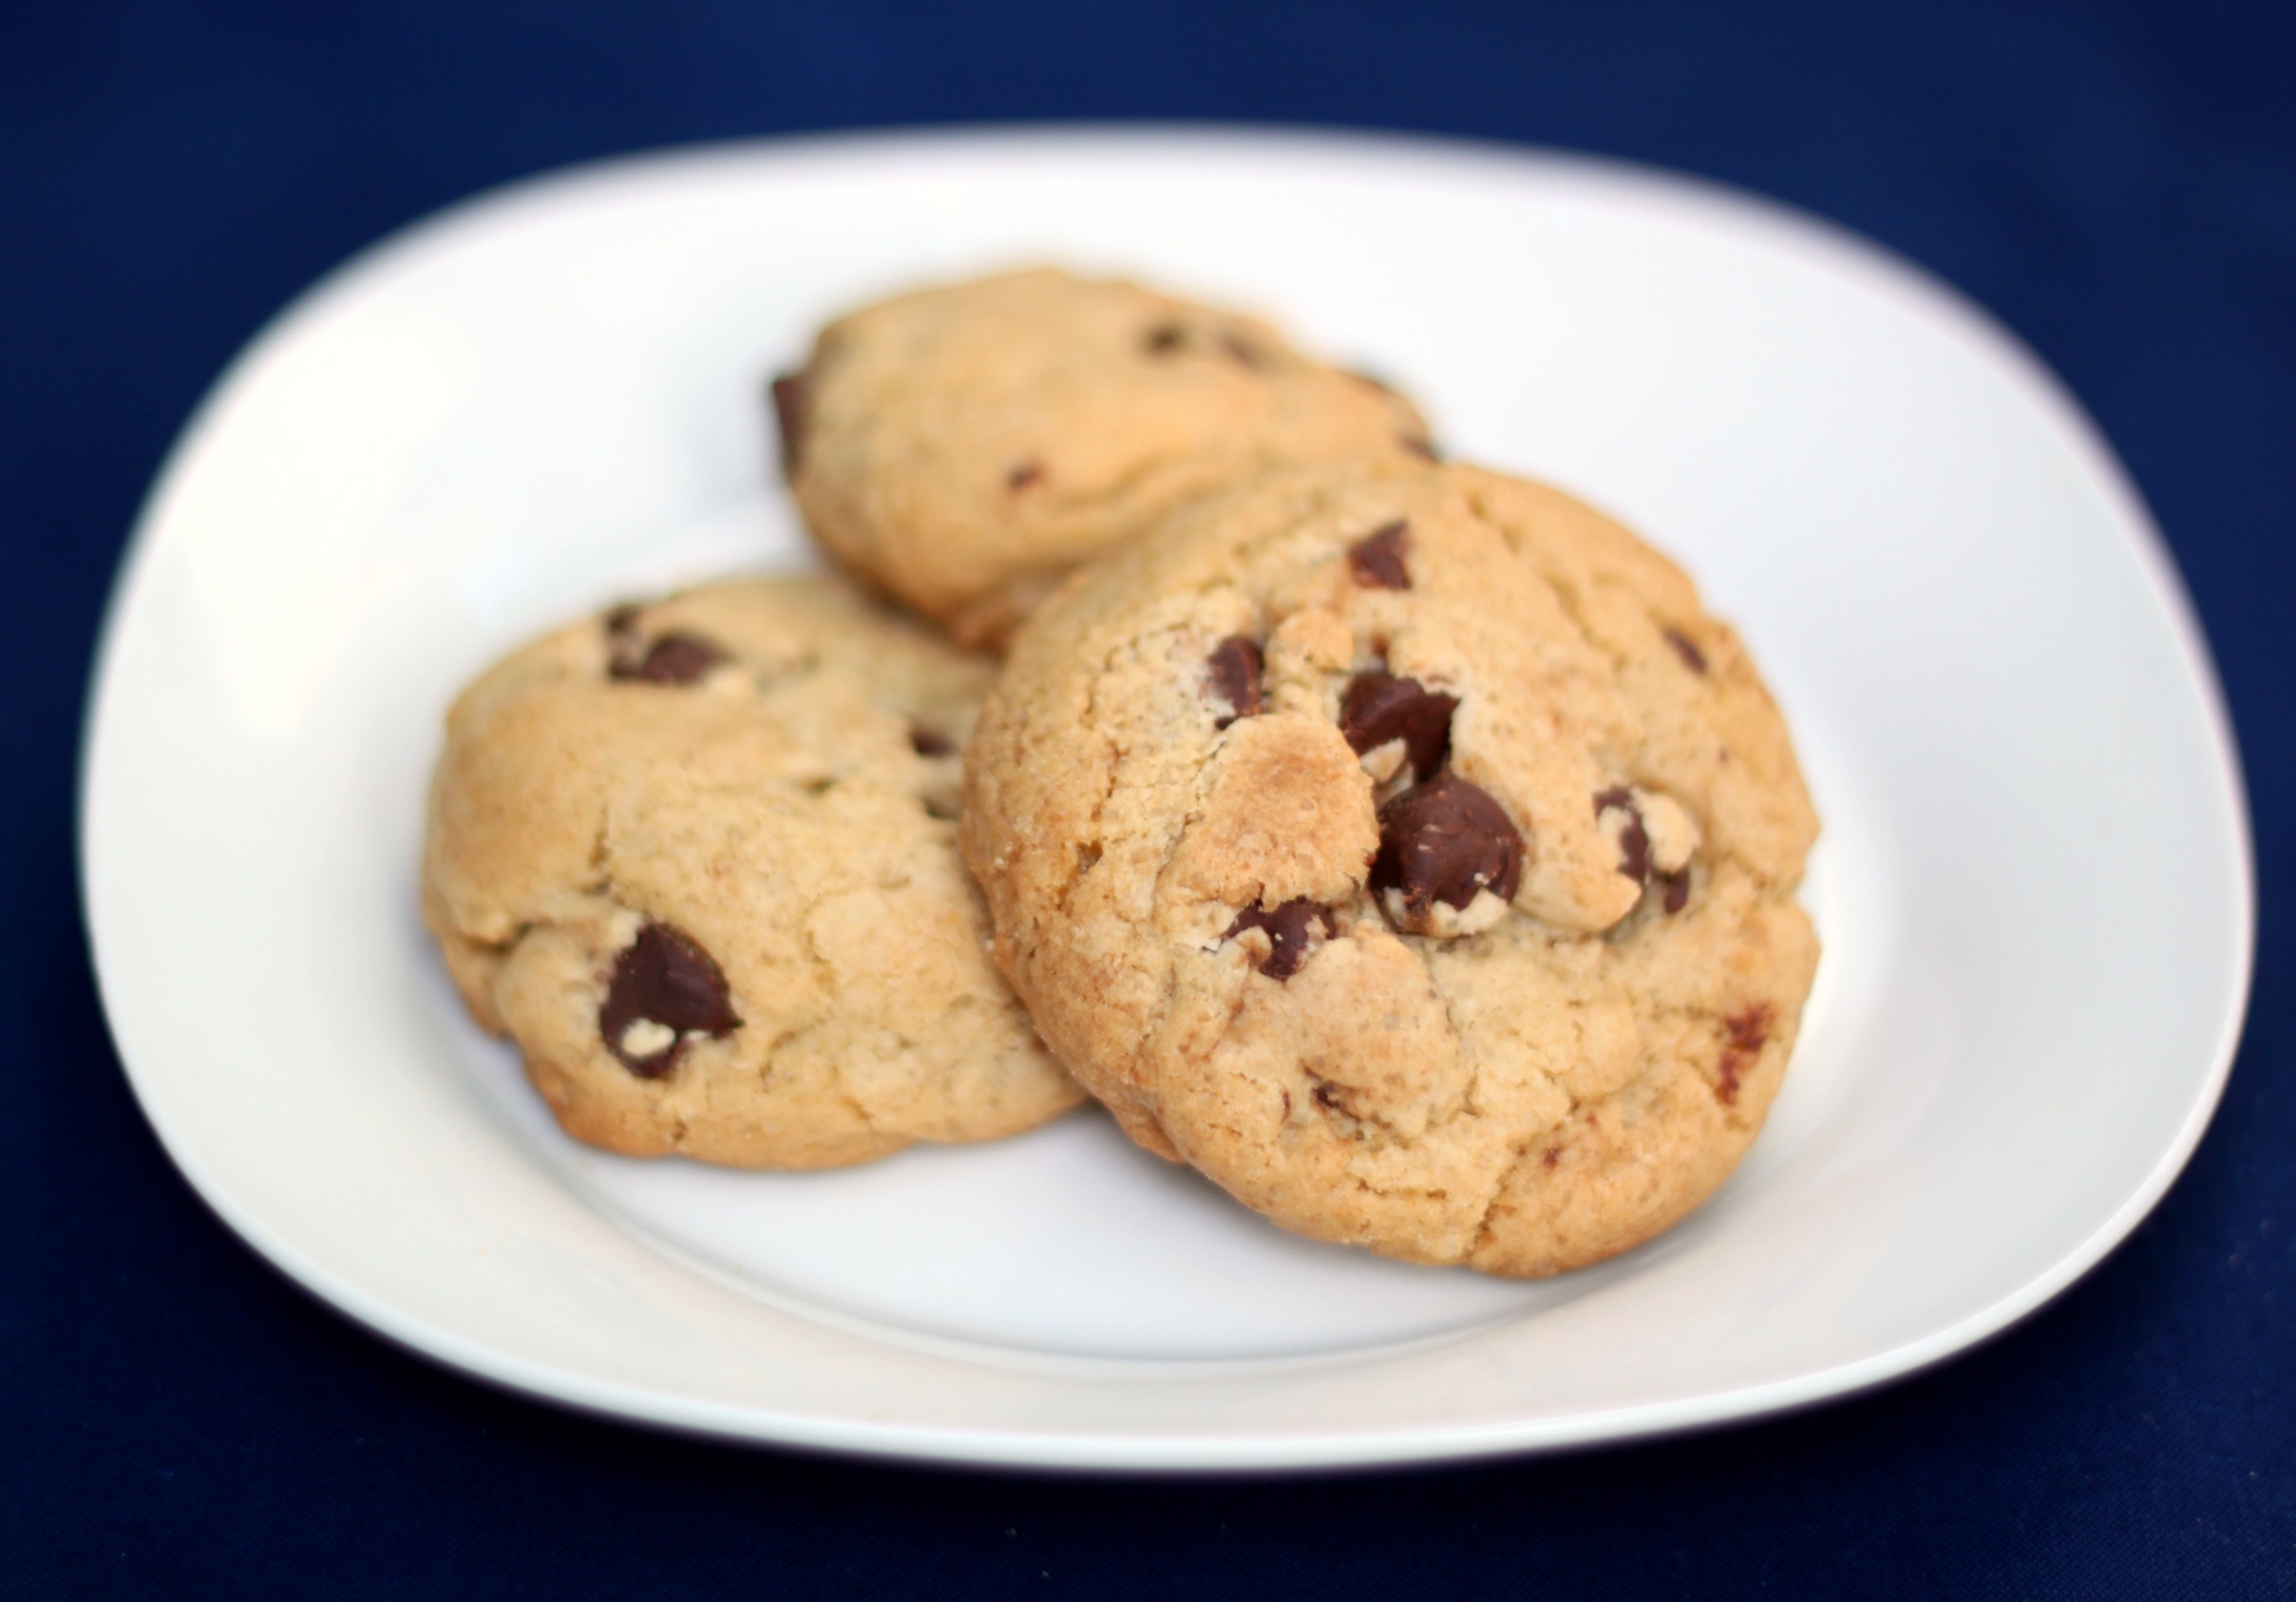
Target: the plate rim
(1951, 313)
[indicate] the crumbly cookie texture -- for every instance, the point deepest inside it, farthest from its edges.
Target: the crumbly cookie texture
(962, 448)
(698, 858)
(1406, 848)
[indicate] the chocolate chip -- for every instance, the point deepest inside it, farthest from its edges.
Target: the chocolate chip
(1634, 850)
(1288, 930)
(1676, 886)
(790, 415)
(674, 659)
(1376, 560)
(1164, 339)
(1420, 446)
(1235, 666)
(930, 742)
(1693, 658)
(1021, 476)
(1634, 840)
(1445, 841)
(1378, 707)
(665, 979)
(622, 618)
(1749, 1029)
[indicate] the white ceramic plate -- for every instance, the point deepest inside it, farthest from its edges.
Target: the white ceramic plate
(2034, 886)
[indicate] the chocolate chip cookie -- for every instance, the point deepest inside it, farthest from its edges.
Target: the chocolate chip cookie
(1404, 847)
(962, 448)
(698, 858)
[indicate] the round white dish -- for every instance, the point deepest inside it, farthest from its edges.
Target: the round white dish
(2034, 889)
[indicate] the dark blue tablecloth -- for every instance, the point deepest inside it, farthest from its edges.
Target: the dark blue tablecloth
(2116, 183)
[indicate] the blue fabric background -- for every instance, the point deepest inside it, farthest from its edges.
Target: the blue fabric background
(2118, 183)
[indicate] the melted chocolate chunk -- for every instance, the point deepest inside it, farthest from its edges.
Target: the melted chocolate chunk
(1676, 886)
(930, 742)
(1693, 658)
(663, 979)
(1235, 664)
(674, 659)
(1378, 707)
(1164, 339)
(1376, 560)
(622, 618)
(1287, 931)
(1634, 840)
(1022, 475)
(1444, 841)
(789, 416)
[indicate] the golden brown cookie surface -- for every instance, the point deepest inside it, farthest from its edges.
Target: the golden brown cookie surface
(698, 858)
(1406, 848)
(963, 446)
